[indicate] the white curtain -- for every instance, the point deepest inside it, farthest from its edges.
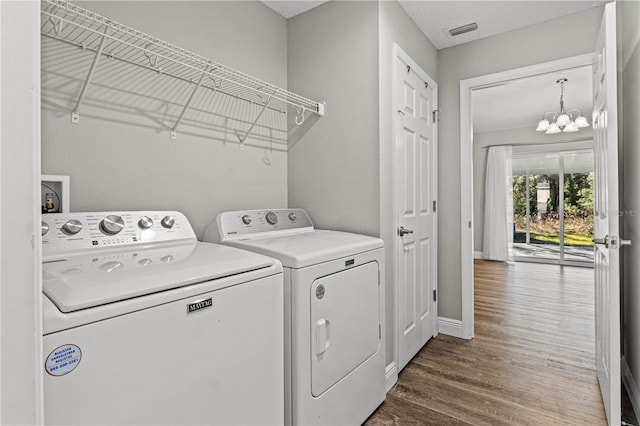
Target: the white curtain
(498, 205)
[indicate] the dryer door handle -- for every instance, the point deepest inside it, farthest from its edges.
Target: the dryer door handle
(322, 336)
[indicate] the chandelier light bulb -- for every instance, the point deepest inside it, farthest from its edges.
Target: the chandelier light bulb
(581, 122)
(543, 126)
(553, 128)
(563, 120)
(571, 127)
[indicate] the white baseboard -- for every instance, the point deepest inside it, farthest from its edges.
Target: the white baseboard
(631, 385)
(392, 375)
(450, 327)
(477, 255)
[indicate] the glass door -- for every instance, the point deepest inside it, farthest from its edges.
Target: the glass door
(578, 206)
(553, 207)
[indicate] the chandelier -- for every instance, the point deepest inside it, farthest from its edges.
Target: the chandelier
(563, 121)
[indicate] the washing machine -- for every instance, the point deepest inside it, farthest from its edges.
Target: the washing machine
(145, 325)
(334, 312)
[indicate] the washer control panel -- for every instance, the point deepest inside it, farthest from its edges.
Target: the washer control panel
(231, 225)
(68, 232)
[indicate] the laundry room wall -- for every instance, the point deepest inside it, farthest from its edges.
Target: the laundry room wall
(122, 160)
(514, 137)
(333, 160)
(518, 48)
(629, 101)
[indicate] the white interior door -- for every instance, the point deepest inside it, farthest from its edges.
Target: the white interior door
(415, 100)
(607, 266)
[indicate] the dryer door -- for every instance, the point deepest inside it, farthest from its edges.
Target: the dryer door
(345, 324)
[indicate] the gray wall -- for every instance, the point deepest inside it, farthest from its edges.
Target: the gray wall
(132, 165)
(334, 167)
(395, 27)
(523, 47)
(340, 165)
(630, 67)
(515, 137)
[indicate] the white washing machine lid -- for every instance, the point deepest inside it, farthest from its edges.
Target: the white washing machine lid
(299, 250)
(85, 281)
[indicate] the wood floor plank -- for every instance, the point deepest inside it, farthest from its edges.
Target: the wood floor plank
(399, 411)
(531, 361)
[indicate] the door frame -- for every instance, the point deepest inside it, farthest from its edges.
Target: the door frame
(22, 388)
(399, 53)
(467, 87)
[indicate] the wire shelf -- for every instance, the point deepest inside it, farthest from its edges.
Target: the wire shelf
(103, 38)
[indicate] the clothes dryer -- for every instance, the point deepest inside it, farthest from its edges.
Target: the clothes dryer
(145, 325)
(334, 312)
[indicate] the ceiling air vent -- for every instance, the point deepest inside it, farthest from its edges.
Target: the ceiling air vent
(452, 32)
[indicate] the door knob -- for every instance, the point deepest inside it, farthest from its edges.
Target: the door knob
(612, 241)
(402, 231)
(603, 241)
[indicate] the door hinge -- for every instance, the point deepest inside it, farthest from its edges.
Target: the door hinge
(436, 115)
(435, 295)
(434, 206)
(379, 331)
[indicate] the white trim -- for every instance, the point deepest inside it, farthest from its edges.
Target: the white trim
(450, 327)
(21, 383)
(394, 206)
(391, 376)
(631, 385)
(466, 164)
(477, 255)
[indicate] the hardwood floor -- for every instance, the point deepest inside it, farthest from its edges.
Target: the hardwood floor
(531, 361)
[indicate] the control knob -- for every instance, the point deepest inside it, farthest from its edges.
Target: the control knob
(292, 216)
(45, 228)
(112, 224)
(246, 219)
(72, 227)
(145, 222)
(168, 222)
(271, 218)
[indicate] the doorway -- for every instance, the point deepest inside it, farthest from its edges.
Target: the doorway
(468, 89)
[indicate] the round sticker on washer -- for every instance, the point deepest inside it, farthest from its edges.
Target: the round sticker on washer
(63, 360)
(320, 291)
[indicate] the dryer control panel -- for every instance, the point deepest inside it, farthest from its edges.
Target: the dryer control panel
(64, 233)
(244, 223)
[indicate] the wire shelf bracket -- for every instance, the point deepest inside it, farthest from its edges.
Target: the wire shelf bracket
(66, 22)
(75, 114)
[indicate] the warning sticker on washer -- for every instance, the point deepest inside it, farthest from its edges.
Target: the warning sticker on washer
(63, 360)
